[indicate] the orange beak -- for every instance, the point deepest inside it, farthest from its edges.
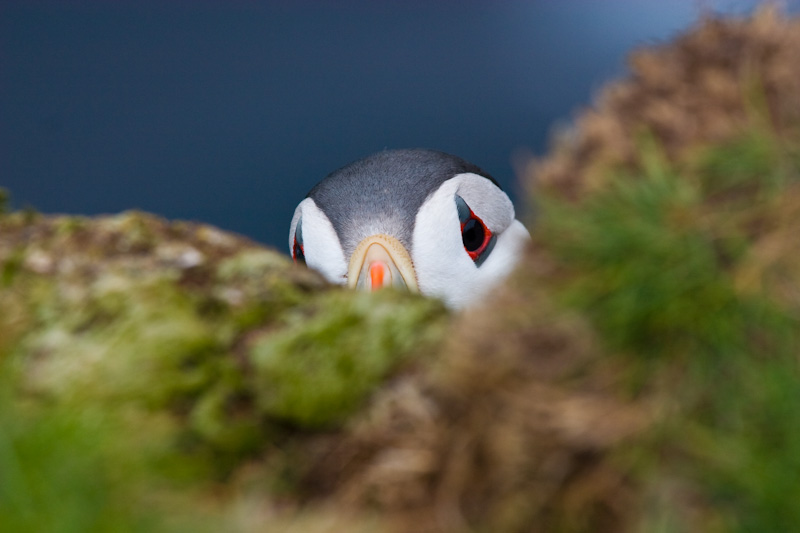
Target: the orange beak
(377, 273)
(381, 261)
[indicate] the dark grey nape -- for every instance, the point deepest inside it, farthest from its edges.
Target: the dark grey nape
(386, 188)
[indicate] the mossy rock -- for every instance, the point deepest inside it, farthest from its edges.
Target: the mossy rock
(191, 351)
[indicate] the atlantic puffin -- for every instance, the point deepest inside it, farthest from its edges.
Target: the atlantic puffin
(421, 220)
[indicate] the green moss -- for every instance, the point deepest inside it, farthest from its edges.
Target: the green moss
(260, 286)
(55, 473)
(56, 488)
(68, 226)
(10, 266)
(321, 367)
(158, 356)
(135, 230)
(249, 264)
(224, 417)
(124, 339)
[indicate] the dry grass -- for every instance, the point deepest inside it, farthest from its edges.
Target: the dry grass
(704, 88)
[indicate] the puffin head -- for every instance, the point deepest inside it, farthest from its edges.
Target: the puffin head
(421, 220)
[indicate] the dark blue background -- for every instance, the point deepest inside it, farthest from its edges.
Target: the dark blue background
(228, 112)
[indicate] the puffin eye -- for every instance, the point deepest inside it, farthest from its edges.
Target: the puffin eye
(472, 233)
(478, 240)
(298, 251)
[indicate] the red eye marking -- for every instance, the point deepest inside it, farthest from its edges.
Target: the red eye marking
(298, 251)
(477, 238)
(298, 254)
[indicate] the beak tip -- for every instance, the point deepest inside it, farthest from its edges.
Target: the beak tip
(377, 272)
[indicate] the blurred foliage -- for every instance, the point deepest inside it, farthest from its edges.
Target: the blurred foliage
(165, 357)
(656, 261)
(343, 354)
(56, 475)
(652, 257)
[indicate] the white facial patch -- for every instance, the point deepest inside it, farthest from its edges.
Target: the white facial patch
(321, 245)
(444, 268)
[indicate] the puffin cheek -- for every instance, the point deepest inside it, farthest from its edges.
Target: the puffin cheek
(448, 273)
(321, 247)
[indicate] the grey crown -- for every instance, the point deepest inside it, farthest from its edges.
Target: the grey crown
(385, 191)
